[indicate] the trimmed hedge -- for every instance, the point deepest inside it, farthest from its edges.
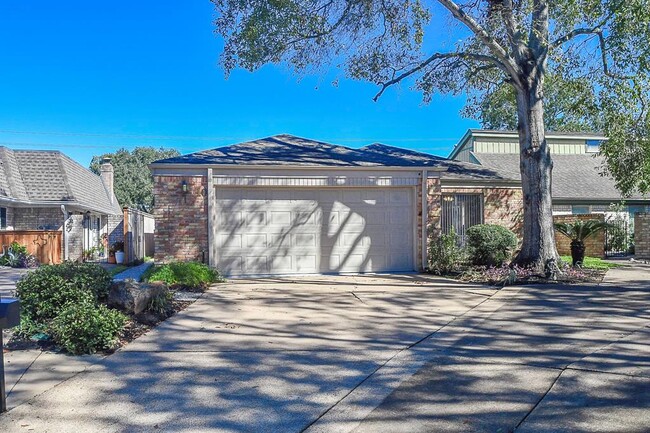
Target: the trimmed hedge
(490, 244)
(183, 275)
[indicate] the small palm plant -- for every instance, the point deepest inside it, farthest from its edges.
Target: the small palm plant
(578, 232)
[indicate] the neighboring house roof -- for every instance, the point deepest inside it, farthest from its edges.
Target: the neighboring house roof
(291, 151)
(575, 176)
(42, 177)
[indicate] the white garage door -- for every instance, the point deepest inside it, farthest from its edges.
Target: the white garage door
(300, 230)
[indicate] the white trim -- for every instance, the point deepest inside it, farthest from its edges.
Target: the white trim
(425, 216)
(321, 181)
(212, 215)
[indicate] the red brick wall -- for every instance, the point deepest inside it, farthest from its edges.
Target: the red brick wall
(642, 235)
(501, 206)
(594, 246)
(181, 218)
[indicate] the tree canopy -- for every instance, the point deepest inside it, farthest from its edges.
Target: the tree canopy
(133, 183)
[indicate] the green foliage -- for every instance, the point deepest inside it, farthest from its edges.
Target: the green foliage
(117, 246)
(186, 275)
(570, 106)
(44, 293)
(133, 184)
(84, 327)
(17, 257)
(47, 292)
(161, 303)
(445, 254)
(490, 244)
(580, 230)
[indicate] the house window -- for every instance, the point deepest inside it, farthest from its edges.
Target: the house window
(3, 218)
(580, 210)
(593, 146)
(460, 212)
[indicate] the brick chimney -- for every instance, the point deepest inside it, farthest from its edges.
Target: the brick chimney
(106, 173)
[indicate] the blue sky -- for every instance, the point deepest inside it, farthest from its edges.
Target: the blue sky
(92, 77)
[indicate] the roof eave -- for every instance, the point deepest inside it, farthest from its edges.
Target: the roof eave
(154, 166)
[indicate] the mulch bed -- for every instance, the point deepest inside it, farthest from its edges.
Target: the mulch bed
(140, 324)
(584, 276)
(136, 326)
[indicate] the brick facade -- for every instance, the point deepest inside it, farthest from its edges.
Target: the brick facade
(642, 235)
(594, 246)
(37, 218)
(75, 233)
(181, 218)
(501, 206)
(182, 223)
(115, 229)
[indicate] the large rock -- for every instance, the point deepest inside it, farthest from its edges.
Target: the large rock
(133, 297)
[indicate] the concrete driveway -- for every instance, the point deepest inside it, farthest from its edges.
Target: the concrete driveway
(8, 278)
(370, 354)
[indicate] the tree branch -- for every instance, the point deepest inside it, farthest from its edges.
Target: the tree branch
(572, 34)
(497, 50)
(603, 58)
(580, 31)
(432, 58)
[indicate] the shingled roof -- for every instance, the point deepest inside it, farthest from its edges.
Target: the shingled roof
(291, 151)
(575, 176)
(43, 176)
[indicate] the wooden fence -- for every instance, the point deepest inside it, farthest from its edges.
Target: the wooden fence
(44, 245)
(138, 235)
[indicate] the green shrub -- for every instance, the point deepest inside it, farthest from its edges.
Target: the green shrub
(161, 304)
(445, 254)
(45, 292)
(185, 275)
(86, 328)
(490, 244)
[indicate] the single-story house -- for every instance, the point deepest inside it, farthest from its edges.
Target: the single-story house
(290, 205)
(578, 186)
(45, 195)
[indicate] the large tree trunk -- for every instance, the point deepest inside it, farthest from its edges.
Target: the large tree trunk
(538, 249)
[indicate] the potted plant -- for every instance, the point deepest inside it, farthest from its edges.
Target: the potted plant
(118, 248)
(111, 255)
(578, 232)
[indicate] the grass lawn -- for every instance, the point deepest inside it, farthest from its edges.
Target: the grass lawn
(593, 263)
(117, 269)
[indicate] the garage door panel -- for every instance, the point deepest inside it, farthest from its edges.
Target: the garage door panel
(280, 218)
(285, 230)
(256, 264)
(256, 240)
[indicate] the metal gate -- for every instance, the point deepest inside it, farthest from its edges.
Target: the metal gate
(460, 212)
(617, 237)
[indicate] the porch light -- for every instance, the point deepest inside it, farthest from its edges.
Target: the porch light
(184, 187)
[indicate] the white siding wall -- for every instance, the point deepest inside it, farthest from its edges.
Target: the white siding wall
(511, 145)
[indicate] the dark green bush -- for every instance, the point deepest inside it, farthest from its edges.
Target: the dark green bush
(43, 293)
(445, 254)
(86, 328)
(49, 290)
(184, 275)
(490, 244)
